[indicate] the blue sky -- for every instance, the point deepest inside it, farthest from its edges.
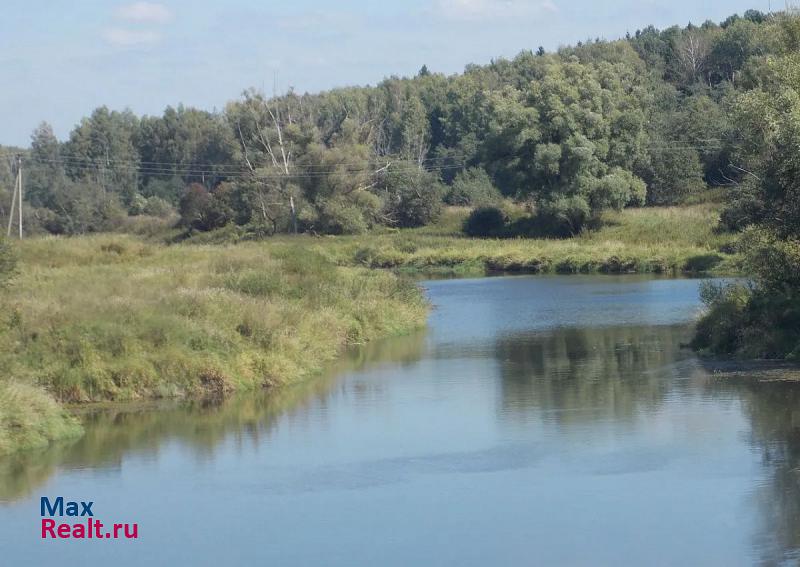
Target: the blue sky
(59, 60)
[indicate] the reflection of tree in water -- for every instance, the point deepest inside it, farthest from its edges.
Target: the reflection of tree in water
(774, 411)
(117, 431)
(590, 372)
(613, 373)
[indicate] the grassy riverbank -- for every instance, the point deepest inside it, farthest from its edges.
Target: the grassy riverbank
(118, 317)
(114, 318)
(669, 241)
(665, 240)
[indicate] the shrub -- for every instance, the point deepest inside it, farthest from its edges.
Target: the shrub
(746, 206)
(338, 216)
(471, 188)
(348, 215)
(562, 217)
(676, 174)
(169, 189)
(719, 330)
(157, 207)
(485, 222)
(617, 190)
(201, 210)
(84, 207)
(412, 197)
(137, 204)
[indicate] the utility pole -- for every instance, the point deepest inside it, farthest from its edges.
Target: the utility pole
(294, 214)
(15, 199)
(13, 206)
(19, 180)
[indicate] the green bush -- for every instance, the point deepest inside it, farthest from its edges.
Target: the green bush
(412, 197)
(202, 210)
(157, 207)
(353, 214)
(485, 222)
(562, 217)
(617, 190)
(472, 188)
(746, 206)
(719, 331)
(676, 175)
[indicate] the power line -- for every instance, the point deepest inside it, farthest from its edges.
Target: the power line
(216, 166)
(133, 168)
(228, 171)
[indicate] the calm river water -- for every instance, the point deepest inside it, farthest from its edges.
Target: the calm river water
(537, 421)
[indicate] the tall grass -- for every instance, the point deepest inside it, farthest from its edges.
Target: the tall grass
(669, 240)
(112, 318)
(30, 418)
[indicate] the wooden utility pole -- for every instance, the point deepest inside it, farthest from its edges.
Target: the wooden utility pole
(13, 206)
(19, 180)
(16, 198)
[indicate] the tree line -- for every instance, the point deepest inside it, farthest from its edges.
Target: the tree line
(644, 120)
(762, 318)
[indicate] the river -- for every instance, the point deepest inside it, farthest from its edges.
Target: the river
(536, 421)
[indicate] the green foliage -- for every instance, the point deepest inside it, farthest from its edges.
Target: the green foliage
(774, 261)
(562, 216)
(616, 190)
(472, 188)
(674, 110)
(111, 318)
(745, 206)
(347, 216)
(766, 323)
(485, 222)
(157, 207)
(102, 150)
(411, 197)
(677, 174)
(202, 210)
(719, 330)
(83, 207)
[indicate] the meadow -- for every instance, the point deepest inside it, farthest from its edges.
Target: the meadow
(662, 240)
(113, 318)
(671, 240)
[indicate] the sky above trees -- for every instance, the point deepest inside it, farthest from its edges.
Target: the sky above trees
(60, 60)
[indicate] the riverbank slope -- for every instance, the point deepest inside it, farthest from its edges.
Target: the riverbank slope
(113, 318)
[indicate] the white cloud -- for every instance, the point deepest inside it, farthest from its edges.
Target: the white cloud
(127, 38)
(144, 12)
(494, 9)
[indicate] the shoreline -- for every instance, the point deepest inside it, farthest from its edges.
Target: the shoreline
(753, 371)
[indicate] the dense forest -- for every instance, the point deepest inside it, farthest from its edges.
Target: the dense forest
(656, 118)
(603, 124)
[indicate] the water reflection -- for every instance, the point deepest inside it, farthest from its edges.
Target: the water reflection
(774, 412)
(560, 416)
(579, 376)
(591, 373)
(112, 433)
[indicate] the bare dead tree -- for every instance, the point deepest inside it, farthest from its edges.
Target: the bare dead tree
(692, 50)
(267, 135)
